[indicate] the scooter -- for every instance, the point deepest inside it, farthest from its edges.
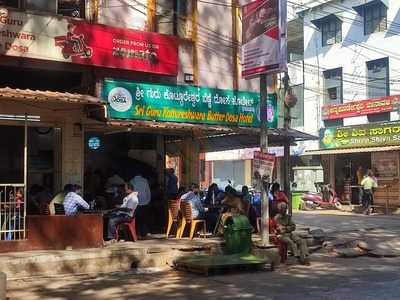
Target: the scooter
(73, 47)
(324, 198)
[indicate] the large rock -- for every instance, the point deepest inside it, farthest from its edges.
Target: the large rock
(350, 252)
(334, 244)
(383, 253)
(318, 234)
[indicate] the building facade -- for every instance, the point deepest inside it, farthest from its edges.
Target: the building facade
(350, 91)
(73, 74)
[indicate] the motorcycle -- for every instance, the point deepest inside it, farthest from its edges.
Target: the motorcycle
(325, 197)
(73, 47)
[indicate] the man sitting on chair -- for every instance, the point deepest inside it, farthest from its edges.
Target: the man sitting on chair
(193, 197)
(124, 213)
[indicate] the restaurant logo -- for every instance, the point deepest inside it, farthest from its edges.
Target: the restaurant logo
(120, 99)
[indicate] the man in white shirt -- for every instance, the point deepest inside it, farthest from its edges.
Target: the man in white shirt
(73, 201)
(144, 195)
(124, 213)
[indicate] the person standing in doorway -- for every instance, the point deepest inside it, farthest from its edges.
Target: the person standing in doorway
(171, 184)
(142, 187)
(368, 184)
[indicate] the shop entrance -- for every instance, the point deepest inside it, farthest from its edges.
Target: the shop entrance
(114, 158)
(346, 180)
(42, 170)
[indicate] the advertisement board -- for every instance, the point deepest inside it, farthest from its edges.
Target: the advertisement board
(360, 108)
(263, 165)
(369, 135)
(70, 40)
(183, 103)
(264, 37)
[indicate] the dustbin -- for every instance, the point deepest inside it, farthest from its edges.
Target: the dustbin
(296, 200)
(237, 234)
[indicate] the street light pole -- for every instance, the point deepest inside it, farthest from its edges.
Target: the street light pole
(264, 149)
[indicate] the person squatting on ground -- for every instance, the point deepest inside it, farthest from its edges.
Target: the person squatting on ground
(285, 232)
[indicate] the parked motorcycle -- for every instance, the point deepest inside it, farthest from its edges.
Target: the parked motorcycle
(73, 47)
(325, 197)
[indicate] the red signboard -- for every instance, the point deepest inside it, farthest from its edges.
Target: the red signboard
(69, 40)
(360, 108)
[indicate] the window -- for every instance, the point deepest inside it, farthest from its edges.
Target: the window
(41, 5)
(297, 112)
(378, 118)
(375, 18)
(10, 3)
(378, 78)
(171, 17)
(69, 8)
(333, 86)
(331, 29)
(333, 123)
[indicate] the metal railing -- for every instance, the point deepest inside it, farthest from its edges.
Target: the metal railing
(12, 212)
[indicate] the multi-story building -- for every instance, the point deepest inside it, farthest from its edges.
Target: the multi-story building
(80, 89)
(351, 91)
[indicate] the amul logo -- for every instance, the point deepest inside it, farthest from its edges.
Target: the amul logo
(120, 99)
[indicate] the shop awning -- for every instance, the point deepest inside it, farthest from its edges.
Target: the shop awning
(352, 150)
(248, 138)
(318, 22)
(360, 8)
(169, 127)
(47, 96)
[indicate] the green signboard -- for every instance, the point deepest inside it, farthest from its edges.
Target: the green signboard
(187, 104)
(384, 134)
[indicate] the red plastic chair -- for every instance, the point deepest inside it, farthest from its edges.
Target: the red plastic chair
(131, 227)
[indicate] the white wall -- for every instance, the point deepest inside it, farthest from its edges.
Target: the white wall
(124, 13)
(352, 55)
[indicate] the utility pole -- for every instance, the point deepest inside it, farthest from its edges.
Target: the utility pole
(287, 142)
(264, 149)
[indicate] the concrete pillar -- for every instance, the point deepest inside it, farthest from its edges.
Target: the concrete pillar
(247, 172)
(332, 171)
(3, 286)
(161, 159)
(191, 162)
(73, 152)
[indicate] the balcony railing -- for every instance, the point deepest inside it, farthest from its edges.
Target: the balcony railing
(12, 212)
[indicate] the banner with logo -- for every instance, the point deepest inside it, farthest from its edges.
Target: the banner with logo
(264, 37)
(188, 104)
(369, 135)
(360, 108)
(70, 40)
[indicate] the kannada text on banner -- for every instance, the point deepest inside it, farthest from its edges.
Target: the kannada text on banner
(189, 104)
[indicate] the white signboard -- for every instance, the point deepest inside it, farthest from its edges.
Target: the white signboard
(264, 37)
(263, 165)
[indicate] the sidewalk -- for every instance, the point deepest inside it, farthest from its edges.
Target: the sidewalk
(157, 252)
(121, 256)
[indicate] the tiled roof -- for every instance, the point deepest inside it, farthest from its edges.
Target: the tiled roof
(47, 96)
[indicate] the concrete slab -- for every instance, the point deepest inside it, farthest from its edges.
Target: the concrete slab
(121, 256)
(116, 257)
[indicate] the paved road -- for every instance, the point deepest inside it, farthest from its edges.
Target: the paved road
(328, 277)
(335, 221)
